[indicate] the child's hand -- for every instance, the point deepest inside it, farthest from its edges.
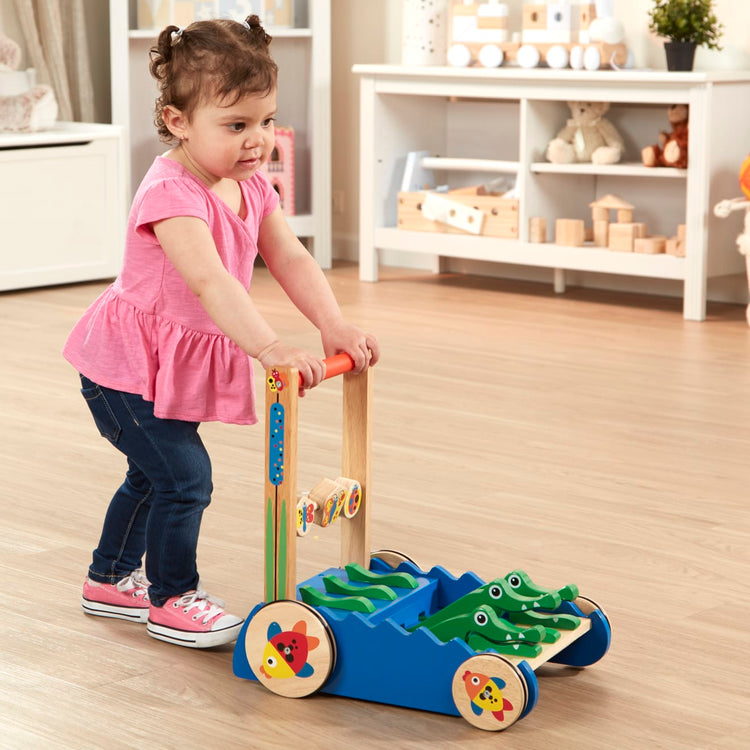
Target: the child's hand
(362, 347)
(312, 369)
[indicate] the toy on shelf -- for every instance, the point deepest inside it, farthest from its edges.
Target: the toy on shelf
(156, 14)
(280, 168)
(378, 627)
(672, 148)
(724, 208)
(490, 209)
(557, 34)
(25, 106)
(613, 228)
(588, 136)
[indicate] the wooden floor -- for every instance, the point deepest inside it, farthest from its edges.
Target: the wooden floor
(591, 438)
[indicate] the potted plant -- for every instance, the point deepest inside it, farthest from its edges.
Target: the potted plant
(687, 24)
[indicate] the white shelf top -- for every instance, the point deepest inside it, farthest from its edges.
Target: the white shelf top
(62, 132)
(547, 75)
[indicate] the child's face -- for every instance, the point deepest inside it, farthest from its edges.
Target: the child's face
(232, 141)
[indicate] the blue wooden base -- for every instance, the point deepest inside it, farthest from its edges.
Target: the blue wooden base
(379, 660)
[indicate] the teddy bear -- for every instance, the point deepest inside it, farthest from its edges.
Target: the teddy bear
(24, 106)
(587, 137)
(672, 148)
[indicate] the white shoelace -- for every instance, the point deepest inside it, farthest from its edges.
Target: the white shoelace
(136, 580)
(201, 600)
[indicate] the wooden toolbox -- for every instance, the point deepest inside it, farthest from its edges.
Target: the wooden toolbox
(487, 215)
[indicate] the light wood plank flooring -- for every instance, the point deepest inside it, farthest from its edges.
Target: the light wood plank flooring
(592, 438)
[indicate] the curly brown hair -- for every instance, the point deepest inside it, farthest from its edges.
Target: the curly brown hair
(210, 60)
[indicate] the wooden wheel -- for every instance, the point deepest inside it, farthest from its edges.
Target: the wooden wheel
(489, 692)
(392, 557)
(290, 648)
(587, 606)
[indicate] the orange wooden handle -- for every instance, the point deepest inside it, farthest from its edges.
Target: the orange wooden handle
(338, 364)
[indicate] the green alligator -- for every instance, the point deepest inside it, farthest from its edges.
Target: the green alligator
(483, 629)
(517, 600)
(522, 585)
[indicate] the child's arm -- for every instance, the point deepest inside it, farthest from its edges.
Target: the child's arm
(306, 285)
(188, 244)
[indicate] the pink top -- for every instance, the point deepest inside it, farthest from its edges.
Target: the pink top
(147, 333)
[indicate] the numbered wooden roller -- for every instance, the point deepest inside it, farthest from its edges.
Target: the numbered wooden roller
(352, 496)
(290, 648)
(489, 692)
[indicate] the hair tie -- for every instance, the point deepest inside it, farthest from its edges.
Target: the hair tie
(245, 24)
(176, 36)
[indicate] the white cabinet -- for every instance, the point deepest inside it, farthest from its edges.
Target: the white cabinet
(303, 54)
(62, 205)
(508, 115)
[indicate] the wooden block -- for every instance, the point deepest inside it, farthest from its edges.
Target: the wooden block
(650, 245)
(500, 220)
(675, 246)
(624, 215)
(599, 213)
(682, 232)
(622, 236)
(569, 232)
(588, 234)
(601, 232)
(537, 229)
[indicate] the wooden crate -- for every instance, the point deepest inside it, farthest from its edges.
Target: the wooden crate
(500, 214)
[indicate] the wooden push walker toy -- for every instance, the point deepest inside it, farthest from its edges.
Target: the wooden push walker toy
(378, 628)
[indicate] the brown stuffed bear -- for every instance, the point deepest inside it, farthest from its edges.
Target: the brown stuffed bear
(672, 149)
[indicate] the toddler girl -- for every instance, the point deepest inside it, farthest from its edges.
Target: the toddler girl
(169, 344)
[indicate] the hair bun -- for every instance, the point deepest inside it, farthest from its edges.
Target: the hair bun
(256, 29)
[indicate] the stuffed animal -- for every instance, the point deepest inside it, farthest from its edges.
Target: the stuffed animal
(24, 106)
(587, 137)
(672, 148)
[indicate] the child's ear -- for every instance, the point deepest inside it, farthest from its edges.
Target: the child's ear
(175, 121)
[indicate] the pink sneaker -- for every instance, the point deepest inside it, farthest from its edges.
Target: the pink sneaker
(125, 600)
(194, 620)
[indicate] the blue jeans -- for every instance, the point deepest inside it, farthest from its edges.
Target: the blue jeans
(158, 508)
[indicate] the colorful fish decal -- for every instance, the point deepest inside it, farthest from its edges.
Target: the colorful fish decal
(486, 694)
(286, 652)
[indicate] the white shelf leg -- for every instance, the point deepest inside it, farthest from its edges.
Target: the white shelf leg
(559, 280)
(368, 257)
(697, 198)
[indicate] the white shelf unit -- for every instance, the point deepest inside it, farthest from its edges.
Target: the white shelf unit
(303, 54)
(62, 205)
(505, 117)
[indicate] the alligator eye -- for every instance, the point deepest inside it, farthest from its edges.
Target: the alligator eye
(496, 592)
(480, 618)
(514, 581)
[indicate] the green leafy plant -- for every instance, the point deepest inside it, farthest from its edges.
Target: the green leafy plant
(686, 21)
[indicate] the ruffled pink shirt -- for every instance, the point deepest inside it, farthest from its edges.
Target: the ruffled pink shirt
(147, 333)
